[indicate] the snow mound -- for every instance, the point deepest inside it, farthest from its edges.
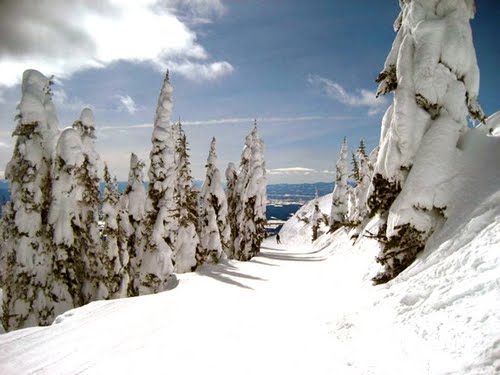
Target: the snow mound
(493, 124)
(299, 227)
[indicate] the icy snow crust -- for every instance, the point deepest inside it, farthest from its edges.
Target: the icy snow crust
(303, 308)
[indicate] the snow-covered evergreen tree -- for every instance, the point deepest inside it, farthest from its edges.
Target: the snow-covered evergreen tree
(365, 172)
(433, 72)
(251, 190)
(351, 205)
(316, 218)
(160, 224)
(26, 259)
(114, 240)
(187, 241)
(96, 262)
(215, 233)
(233, 205)
(132, 215)
(66, 229)
(339, 212)
(362, 148)
(355, 168)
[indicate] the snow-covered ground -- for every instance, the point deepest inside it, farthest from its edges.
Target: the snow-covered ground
(302, 308)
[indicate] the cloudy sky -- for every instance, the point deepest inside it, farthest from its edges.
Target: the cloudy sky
(304, 70)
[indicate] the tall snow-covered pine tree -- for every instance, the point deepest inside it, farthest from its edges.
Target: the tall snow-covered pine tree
(25, 256)
(114, 240)
(187, 241)
(433, 72)
(65, 226)
(339, 211)
(214, 228)
(133, 202)
(233, 204)
(156, 261)
(96, 262)
(251, 191)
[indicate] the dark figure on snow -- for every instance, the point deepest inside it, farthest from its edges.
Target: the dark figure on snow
(278, 240)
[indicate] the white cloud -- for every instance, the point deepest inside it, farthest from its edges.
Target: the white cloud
(295, 171)
(4, 145)
(197, 8)
(364, 98)
(72, 35)
(200, 72)
(238, 120)
(128, 103)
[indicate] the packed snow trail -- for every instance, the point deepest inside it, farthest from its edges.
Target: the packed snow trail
(263, 316)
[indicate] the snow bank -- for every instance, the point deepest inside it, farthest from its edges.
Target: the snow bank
(493, 124)
(442, 314)
(298, 229)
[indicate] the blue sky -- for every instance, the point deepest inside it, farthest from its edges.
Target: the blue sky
(305, 70)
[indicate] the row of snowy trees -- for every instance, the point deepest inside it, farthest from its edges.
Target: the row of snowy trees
(349, 200)
(53, 256)
(402, 186)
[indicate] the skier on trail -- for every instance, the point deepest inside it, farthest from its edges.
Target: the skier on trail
(278, 240)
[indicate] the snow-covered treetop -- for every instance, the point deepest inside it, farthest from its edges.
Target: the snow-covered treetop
(36, 107)
(212, 155)
(230, 172)
(212, 184)
(257, 180)
(86, 124)
(344, 154)
(163, 111)
(135, 174)
(443, 26)
(34, 87)
(69, 147)
(136, 191)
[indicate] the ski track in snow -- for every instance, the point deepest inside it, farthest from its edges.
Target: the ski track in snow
(291, 310)
(223, 319)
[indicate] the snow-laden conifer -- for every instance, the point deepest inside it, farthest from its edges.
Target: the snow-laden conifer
(132, 215)
(233, 205)
(251, 190)
(433, 72)
(351, 205)
(365, 171)
(355, 168)
(159, 225)
(339, 211)
(187, 241)
(26, 258)
(66, 229)
(214, 228)
(242, 218)
(96, 262)
(114, 238)
(257, 188)
(316, 217)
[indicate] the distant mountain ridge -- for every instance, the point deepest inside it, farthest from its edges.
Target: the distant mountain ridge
(307, 189)
(277, 194)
